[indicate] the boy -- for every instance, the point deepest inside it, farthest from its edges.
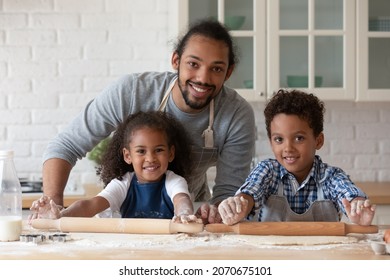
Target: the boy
(297, 185)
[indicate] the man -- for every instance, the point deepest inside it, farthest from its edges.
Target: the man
(220, 122)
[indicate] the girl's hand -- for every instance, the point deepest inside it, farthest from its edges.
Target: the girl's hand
(45, 208)
(185, 218)
(233, 209)
(359, 211)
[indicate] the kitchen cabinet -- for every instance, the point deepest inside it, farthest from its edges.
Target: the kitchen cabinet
(373, 49)
(337, 49)
(311, 45)
(307, 44)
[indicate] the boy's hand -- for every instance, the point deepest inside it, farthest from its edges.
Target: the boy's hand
(233, 209)
(359, 211)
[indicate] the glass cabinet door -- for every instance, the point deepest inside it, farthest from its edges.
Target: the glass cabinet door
(311, 47)
(374, 50)
(246, 21)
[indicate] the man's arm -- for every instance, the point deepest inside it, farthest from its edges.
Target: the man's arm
(235, 157)
(55, 175)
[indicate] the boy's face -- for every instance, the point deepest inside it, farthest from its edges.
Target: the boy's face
(149, 154)
(203, 68)
(294, 144)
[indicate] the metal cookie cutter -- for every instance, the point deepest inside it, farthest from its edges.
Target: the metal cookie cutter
(59, 237)
(33, 238)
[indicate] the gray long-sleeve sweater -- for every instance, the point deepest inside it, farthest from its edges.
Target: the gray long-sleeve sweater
(234, 130)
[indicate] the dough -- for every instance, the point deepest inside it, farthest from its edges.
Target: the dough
(175, 241)
(292, 240)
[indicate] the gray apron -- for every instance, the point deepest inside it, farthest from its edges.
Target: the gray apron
(277, 209)
(203, 157)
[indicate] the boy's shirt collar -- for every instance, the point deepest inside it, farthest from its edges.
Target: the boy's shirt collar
(313, 174)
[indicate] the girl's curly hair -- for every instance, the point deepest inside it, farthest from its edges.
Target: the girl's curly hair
(306, 106)
(113, 165)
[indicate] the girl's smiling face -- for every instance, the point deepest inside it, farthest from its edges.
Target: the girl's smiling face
(294, 144)
(149, 153)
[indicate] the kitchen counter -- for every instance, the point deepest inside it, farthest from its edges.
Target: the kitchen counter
(200, 246)
(90, 190)
(378, 192)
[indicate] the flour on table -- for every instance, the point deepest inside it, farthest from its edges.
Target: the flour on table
(292, 240)
(205, 239)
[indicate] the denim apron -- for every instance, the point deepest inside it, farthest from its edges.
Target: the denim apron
(147, 200)
(277, 209)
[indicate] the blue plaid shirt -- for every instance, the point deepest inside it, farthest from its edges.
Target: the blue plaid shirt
(265, 178)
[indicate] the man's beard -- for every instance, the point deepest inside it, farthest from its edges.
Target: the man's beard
(192, 104)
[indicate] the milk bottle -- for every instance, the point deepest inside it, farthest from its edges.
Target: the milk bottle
(10, 199)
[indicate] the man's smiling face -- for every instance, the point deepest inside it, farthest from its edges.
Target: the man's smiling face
(203, 68)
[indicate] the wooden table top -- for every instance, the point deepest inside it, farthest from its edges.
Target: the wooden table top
(201, 246)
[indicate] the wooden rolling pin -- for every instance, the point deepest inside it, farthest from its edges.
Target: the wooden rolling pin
(292, 228)
(116, 225)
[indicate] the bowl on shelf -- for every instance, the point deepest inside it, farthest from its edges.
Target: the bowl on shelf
(234, 22)
(302, 81)
(248, 83)
(379, 24)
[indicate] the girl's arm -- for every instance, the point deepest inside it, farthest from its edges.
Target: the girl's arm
(86, 207)
(184, 211)
(46, 208)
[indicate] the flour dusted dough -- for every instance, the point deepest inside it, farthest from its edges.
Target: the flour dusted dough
(174, 241)
(256, 240)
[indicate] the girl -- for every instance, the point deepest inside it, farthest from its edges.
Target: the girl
(143, 170)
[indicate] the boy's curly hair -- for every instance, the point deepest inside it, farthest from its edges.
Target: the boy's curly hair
(113, 165)
(306, 106)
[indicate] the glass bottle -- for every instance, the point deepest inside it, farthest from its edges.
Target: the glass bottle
(10, 199)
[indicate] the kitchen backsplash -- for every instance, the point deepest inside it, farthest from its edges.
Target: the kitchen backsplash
(55, 55)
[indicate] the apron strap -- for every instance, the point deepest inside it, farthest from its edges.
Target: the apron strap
(164, 101)
(208, 134)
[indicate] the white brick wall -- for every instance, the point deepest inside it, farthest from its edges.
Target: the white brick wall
(55, 55)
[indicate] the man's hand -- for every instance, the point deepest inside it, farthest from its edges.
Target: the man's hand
(209, 214)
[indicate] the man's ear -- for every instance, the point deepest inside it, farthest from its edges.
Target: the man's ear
(175, 61)
(320, 141)
(229, 72)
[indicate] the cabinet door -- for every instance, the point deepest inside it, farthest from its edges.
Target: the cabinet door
(373, 50)
(311, 47)
(246, 21)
